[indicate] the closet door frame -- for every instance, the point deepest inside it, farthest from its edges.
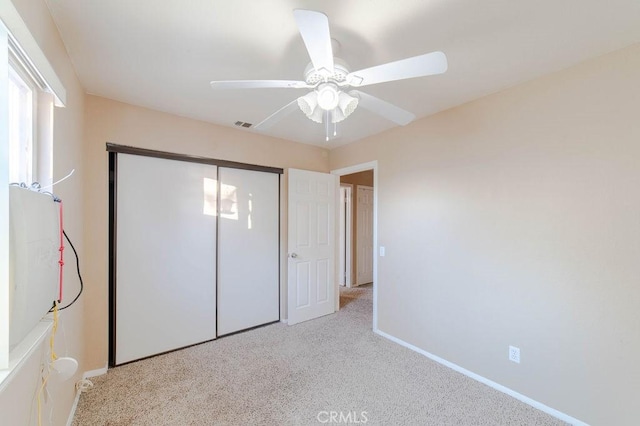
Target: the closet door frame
(113, 151)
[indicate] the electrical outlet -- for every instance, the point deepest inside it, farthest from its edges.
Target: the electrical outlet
(514, 354)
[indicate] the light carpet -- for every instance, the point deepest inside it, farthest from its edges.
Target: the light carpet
(329, 370)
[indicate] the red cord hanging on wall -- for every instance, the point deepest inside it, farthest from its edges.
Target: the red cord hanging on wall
(61, 249)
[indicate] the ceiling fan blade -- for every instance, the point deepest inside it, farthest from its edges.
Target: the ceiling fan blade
(383, 108)
(259, 84)
(417, 66)
(314, 29)
(277, 116)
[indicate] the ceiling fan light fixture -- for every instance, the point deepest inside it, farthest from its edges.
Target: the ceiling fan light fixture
(347, 104)
(308, 103)
(337, 116)
(328, 96)
(317, 115)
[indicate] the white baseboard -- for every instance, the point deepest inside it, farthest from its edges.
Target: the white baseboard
(286, 321)
(94, 373)
(85, 375)
(535, 404)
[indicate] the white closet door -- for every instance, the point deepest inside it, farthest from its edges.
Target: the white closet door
(248, 283)
(166, 255)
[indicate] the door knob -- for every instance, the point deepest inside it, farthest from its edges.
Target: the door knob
(293, 255)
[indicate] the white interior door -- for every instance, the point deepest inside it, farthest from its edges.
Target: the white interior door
(344, 242)
(364, 235)
(311, 245)
(248, 250)
(166, 255)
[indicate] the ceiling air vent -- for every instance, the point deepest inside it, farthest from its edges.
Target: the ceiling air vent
(243, 124)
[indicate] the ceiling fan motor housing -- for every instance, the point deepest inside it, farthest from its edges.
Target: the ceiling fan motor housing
(337, 75)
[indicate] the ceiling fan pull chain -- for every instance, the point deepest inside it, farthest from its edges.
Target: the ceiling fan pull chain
(326, 121)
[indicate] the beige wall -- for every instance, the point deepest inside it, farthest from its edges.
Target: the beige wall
(116, 122)
(17, 399)
(513, 220)
(361, 178)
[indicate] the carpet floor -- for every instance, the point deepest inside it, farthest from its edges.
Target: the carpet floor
(330, 370)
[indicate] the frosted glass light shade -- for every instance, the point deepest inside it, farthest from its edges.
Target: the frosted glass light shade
(328, 97)
(318, 115)
(346, 106)
(341, 104)
(308, 103)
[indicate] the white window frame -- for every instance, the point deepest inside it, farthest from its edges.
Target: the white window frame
(4, 201)
(18, 74)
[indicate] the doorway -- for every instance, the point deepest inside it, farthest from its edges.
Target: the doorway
(361, 178)
(356, 229)
(345, 235)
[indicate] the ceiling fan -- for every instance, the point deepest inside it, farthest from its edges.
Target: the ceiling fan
(329, 78)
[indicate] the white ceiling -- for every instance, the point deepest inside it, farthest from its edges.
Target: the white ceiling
(162, 54)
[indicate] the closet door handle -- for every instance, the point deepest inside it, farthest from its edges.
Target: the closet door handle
(293, 255)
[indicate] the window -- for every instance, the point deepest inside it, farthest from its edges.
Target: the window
(29, 89)
(21, 115)
(29, 124)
